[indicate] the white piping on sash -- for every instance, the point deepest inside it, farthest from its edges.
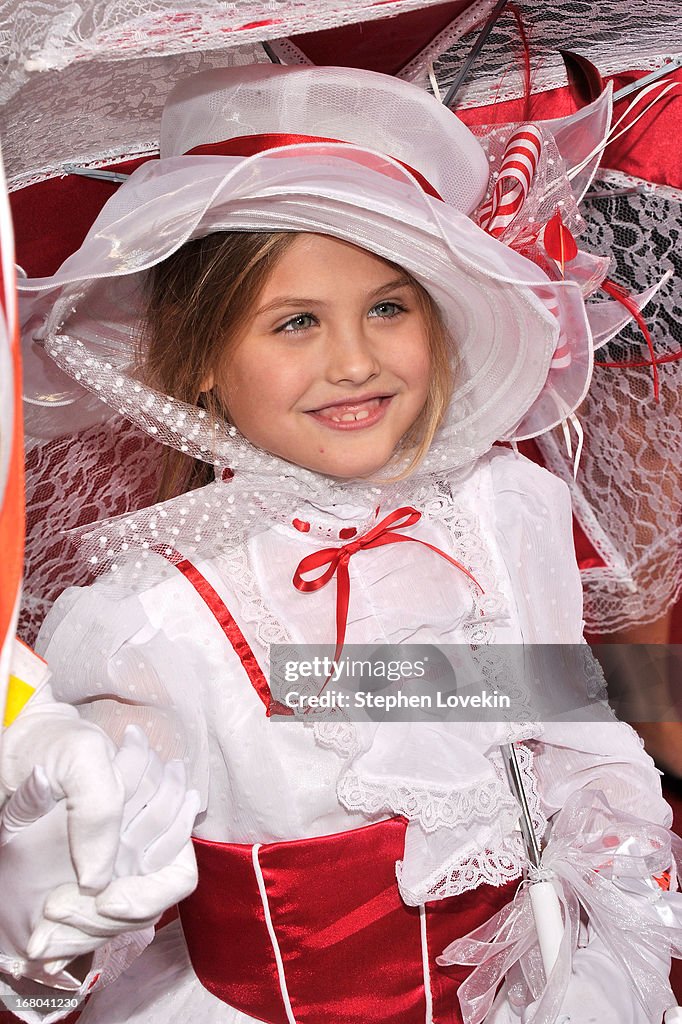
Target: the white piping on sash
(428, 998)
(271, 932)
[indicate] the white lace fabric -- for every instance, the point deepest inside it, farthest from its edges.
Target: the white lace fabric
(38, 36)
(613, 35)
(628, 493)
(105, 488)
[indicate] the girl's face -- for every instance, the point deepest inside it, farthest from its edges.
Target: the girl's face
(334, 366)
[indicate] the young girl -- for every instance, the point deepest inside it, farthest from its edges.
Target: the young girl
(297, 301)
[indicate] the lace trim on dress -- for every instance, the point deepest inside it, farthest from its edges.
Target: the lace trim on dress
(253, 608)
(494, 866)
(430, 810)
(500, 861)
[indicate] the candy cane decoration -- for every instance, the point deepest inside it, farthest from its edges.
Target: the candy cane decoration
(519, 164)
(517, 170)
(562, 353)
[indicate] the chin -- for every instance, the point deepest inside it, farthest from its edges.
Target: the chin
(352, 469)
(342, 465)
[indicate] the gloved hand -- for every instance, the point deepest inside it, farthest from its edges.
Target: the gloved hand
(47, 919)
(597, 993)
(76, 759)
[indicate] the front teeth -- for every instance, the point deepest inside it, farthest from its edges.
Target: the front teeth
(350, 416)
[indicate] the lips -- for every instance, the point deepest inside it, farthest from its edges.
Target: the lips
(353, 414)
(350, 411)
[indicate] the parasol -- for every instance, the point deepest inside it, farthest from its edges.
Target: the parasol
(84, 85)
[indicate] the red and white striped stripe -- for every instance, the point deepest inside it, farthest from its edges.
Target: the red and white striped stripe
(562, 353)
(517, 169)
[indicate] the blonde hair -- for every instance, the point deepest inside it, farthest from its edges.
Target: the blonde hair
(199, 301)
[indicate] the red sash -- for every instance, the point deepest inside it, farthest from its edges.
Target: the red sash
(325, 923)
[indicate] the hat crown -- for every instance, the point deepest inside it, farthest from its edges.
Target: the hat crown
(367, 109)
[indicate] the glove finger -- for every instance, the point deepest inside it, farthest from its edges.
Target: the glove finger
(167, 846)
(132, 758)
(67, 906)
(143, 896)
(94, 799)
(146, 785)
(160, 811)
(54, 941)
(31, 801)
(53, 967)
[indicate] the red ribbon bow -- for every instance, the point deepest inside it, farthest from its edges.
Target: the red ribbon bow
(336, 560)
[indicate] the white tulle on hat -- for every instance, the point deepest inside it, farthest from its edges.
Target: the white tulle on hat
(398, 175)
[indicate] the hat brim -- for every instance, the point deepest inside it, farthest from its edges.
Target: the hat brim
(494, 301)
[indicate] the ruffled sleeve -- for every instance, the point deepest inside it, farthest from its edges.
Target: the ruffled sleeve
(109, 660)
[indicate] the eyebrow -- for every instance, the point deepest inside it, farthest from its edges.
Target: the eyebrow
(288, 300)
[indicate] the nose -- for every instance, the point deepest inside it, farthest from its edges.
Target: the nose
(352, 357)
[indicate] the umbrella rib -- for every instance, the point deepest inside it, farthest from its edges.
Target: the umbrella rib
(475, 50)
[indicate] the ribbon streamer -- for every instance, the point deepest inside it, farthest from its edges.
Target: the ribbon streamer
(603, 863)
(614, 133)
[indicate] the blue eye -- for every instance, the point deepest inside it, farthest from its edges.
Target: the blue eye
(386, 310)
(302, 322)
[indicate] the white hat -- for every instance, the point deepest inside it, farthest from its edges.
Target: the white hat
(355, 155)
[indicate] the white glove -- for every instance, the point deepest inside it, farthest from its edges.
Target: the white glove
(76, 758)
(46, 916)
(599, 992)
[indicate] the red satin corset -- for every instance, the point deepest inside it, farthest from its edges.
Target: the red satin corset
(319, 923)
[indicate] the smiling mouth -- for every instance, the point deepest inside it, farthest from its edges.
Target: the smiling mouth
(354, 414)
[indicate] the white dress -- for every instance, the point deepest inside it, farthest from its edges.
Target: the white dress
(158, 658)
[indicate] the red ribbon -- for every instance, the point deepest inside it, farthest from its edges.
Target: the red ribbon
(336, 561)
(249, 145)
(621, 295)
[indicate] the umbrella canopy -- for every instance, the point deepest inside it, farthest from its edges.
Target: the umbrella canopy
(85, 84)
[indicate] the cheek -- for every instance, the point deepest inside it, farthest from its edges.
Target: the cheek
(417, 363)
(261, 380)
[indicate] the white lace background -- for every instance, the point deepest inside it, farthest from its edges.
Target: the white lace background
(86, 83)
(103, 490)
(42, 35)
(614, 34)
(628, 494)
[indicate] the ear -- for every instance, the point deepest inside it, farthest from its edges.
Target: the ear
(208, 382)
